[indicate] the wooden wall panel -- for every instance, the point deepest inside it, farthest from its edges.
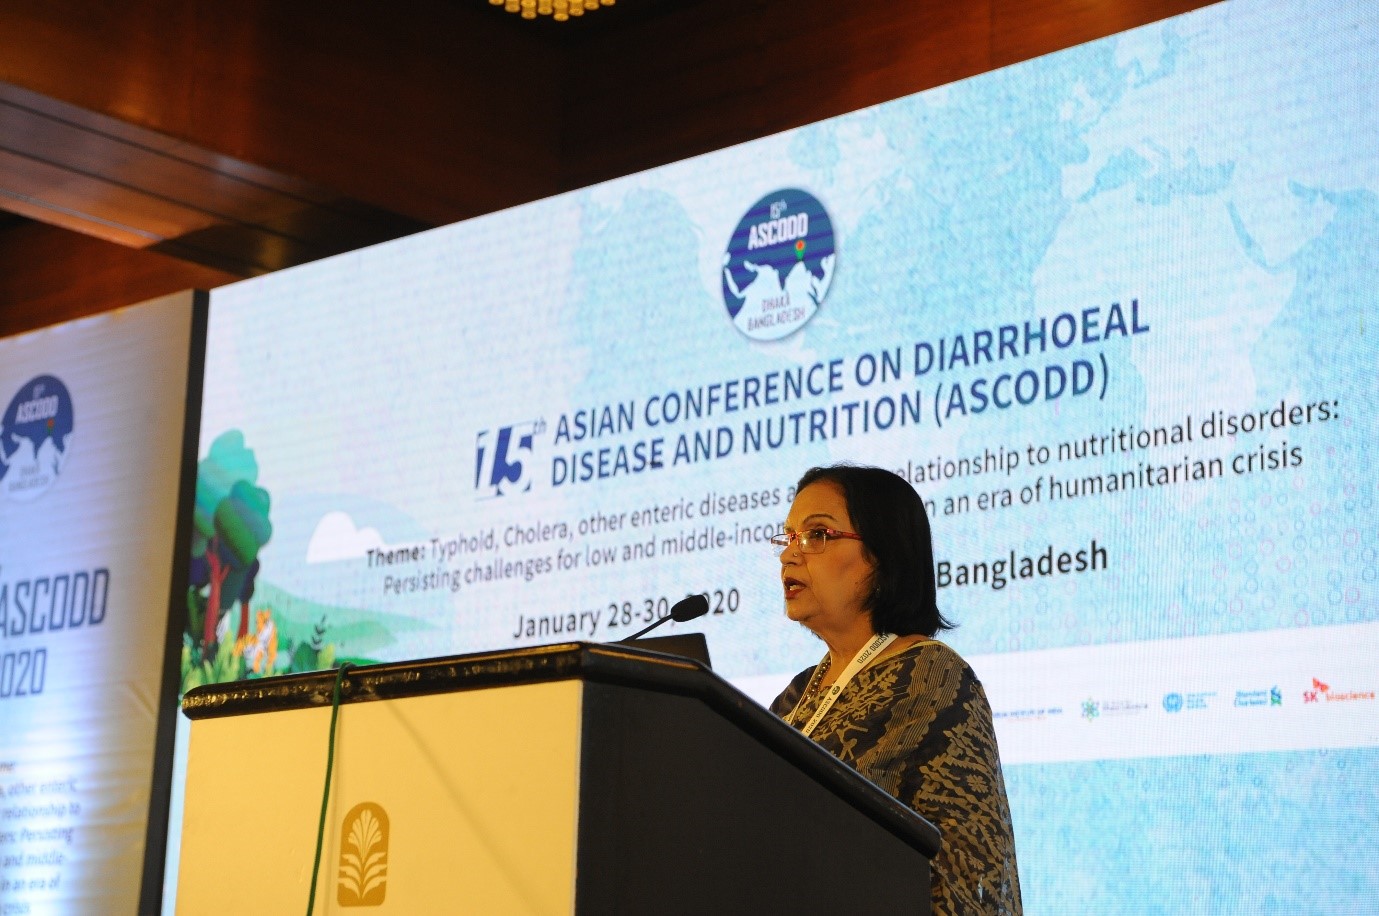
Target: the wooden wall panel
(431, 108)
(1025, 29)
(719, 72)
(722, 72)
(48, 275)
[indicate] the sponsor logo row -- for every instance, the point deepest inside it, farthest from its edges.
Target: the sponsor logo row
(1094, 708)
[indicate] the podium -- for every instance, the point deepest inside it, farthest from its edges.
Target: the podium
(575, 779)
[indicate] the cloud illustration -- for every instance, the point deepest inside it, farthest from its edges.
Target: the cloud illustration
(337, 538)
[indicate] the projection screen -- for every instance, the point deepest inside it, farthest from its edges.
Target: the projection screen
(1110, 311)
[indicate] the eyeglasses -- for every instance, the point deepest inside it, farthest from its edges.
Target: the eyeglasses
(811, 541)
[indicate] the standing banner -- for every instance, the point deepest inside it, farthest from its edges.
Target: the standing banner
(92, 440)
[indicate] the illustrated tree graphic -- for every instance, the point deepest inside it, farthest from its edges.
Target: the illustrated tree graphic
(231, 526)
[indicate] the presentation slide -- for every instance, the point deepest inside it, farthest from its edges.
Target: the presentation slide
(91, 442)
(1112, 312)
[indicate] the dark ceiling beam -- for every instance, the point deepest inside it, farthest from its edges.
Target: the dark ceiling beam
(89, 173)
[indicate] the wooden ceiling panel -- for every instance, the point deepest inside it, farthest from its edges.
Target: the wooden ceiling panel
(91, 203)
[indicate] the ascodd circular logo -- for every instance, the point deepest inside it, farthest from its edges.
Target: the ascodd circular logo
(778, 265)
(34, 433)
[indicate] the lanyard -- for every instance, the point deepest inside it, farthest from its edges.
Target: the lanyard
(859, 661)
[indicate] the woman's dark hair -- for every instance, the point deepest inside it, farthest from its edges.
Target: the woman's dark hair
(890, 517)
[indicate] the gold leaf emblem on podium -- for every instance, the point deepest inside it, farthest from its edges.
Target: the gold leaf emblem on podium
(364, 856)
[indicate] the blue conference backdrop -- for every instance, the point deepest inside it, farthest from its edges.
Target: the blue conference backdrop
(1111, 312)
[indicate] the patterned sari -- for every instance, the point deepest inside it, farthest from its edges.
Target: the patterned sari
(918, 725)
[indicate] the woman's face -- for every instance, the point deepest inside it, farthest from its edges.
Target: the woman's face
(826, 591)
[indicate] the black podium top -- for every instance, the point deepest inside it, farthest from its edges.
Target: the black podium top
(597, 662)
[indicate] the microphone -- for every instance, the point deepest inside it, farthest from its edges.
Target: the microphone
(685, 609)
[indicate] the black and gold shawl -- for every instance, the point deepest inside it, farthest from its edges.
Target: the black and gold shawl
(918, 725)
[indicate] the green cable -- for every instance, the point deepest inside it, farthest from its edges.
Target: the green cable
(325, 793)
